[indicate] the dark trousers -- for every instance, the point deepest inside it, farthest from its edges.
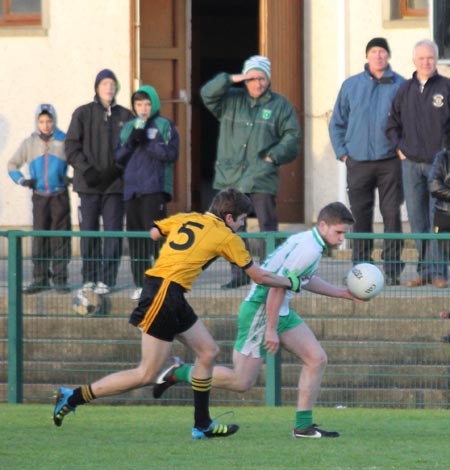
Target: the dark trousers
(363, 178)
(51, 213)
(141, 212)
(265, 208)
(101, 258)
(441, 224)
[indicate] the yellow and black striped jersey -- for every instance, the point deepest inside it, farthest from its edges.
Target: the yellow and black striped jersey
(193, 241)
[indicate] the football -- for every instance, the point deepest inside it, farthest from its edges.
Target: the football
(365, 281)
(87, 303)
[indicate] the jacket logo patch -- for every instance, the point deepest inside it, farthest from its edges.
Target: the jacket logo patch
(266, 113)
(438, 101)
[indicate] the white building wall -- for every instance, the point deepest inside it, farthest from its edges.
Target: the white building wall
(336, 34)
(59, 67)
(85, 36)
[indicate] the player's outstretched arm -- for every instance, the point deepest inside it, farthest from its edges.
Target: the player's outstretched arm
(319, 286)
(266, 278)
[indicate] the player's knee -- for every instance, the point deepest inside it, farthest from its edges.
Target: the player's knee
(244, 384)
(319, 360)
(322, 359)
(208, 356)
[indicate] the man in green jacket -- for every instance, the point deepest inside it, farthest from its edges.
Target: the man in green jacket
(259, 131)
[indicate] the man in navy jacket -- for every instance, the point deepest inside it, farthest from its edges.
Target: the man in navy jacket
(418, 124)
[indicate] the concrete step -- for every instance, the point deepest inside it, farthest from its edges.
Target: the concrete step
(57, 336)
(393, 302)
(339, 352)
(182, 394)
(336, 375)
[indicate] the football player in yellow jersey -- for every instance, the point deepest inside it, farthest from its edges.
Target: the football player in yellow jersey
(193, 241)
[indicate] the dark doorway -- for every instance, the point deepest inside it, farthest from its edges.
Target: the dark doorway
(224, 34)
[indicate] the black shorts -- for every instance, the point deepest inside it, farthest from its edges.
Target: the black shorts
(163, 311)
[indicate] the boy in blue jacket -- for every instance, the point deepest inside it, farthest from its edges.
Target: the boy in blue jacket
(43, 152)
(149, 146)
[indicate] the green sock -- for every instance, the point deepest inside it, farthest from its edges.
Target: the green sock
(183, 373)
(303, 419)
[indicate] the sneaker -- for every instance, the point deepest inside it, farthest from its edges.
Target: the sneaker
(418, 282)
(62, 407)
(35, 288)
(440, 283)
(313, 432)
(136, 295)
(165, 379)
(214, 430)
(101, 288)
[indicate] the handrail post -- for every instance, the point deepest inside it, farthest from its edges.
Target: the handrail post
(273, 361)
(15, 318)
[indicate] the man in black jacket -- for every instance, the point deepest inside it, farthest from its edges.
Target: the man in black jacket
(90, 141)
(417, 125)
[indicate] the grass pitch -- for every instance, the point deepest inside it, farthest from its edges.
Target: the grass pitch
(104, 437)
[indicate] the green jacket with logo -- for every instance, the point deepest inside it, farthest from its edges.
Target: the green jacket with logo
(251, 129)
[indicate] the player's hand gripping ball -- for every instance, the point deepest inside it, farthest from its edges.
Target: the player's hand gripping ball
(86, 302)
(365, 281)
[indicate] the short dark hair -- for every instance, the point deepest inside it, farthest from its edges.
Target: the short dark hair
(47, 113)
(141, 96)
(335, 213)
(230, 201)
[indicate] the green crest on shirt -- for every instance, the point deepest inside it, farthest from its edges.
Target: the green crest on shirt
(266, 113)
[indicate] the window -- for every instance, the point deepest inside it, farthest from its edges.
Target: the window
(20, 12)
(413, 8)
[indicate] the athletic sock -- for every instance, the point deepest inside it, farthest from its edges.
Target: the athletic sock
(183, 373)
(201, 388)
(303, 419)
(81, 395)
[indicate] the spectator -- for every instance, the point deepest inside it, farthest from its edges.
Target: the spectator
(259, 131)
(417, 126)
(357, 132)
(43, 152)
(193, 241)
(148, 150)
(439, 184)
(267, 321)
(90, 143)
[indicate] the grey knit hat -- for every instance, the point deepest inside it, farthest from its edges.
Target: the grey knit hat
(257, 62)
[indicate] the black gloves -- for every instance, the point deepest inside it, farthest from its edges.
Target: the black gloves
(111, 174)
(31, 183)
(92, 177)
(103, 179)
(137, 137)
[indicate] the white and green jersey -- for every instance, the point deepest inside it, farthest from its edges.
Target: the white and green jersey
(303, 252)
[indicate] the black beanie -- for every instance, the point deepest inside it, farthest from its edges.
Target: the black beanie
(378, 42)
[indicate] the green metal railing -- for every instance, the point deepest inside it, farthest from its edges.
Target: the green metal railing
(15, 306)
(383, 353)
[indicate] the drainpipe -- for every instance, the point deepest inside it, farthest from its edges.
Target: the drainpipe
(341, 76)
(137, 45)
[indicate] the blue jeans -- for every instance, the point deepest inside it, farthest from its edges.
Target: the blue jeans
(419, 205)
